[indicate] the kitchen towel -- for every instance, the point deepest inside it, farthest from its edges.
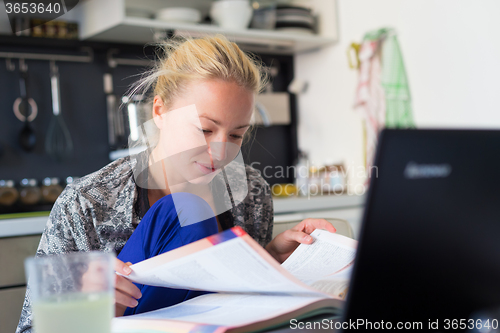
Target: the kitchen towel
(383, 94)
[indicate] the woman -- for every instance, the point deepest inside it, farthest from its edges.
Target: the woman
(203, 102)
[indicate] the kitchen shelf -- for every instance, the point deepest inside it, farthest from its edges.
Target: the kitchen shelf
(107, 21)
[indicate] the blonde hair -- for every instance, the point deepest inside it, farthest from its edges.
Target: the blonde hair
(183, 60)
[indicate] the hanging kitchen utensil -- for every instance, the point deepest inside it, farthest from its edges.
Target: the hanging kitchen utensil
(131, 108)
(120, 121)
(25, 110)
(111, 108)
(58, 143)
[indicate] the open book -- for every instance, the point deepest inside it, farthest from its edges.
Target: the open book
(253, 291)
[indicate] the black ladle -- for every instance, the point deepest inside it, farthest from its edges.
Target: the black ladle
(27, 137)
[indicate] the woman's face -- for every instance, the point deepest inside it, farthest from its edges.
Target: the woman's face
(203, 129)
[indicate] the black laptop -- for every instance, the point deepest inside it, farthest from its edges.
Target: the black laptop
(429, 248)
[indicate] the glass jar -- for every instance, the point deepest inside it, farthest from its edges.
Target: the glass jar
(8, 193)
(336, 178)
(315, 187)
(70, 179)
(51, 190)
(29, 193)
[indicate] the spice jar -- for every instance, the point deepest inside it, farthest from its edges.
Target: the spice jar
(70, 180)
(315, 187)
(8, 193)
(51, 189)
(29, 193)
(336, 178)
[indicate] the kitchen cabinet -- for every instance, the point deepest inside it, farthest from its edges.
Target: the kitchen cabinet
(13, 251)
(11, 303)
(108, 21)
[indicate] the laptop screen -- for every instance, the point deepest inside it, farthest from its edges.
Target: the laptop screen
(430, 242)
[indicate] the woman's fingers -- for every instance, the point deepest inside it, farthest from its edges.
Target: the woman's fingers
(126, 287)
(126, 293)
(125, 300)
(285, 243)
(309, 225)
(119, 310)
(122, 268)
(298, 236)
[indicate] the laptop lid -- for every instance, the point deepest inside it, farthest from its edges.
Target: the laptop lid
(430, 240)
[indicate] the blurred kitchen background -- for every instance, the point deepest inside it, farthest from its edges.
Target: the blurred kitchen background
(449, 48)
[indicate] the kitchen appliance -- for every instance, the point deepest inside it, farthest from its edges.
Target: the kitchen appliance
(129, 116)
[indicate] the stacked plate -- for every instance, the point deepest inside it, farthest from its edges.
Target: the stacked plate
(295, 19)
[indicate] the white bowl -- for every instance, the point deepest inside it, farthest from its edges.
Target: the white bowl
(231, 14)
(179, 14)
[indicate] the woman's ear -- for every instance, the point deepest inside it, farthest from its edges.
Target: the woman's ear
(158, 111)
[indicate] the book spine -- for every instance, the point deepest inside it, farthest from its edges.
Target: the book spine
(226, 235)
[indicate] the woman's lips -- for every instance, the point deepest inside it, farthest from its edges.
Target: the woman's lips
(205, 168)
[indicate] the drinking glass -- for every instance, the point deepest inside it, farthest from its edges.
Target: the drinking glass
(72, 292)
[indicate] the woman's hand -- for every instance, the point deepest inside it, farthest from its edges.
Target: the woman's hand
(126, 293)
(285, 243)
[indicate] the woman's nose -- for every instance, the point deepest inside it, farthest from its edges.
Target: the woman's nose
(217, 149)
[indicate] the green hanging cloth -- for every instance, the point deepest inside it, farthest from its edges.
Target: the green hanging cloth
(394, 80)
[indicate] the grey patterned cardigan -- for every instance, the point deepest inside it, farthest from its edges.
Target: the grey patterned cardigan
(100, 211)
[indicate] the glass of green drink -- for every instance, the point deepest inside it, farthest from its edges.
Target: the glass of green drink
(72, 292)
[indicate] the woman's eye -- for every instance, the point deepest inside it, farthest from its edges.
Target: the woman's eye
(204, 130)
(237, 136)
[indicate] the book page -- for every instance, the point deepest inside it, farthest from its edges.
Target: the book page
(226, 309)
(229, 264)
(325, 264)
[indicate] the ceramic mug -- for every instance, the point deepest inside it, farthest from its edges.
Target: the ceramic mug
(232, 14)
